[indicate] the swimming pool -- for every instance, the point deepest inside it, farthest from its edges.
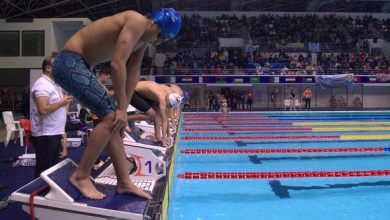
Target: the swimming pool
(242, 166)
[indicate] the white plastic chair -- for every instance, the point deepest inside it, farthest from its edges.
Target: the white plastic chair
(292, 104)
(286, 104)
(12, 127)
(298, 104)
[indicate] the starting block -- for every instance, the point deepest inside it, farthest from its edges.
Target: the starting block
(149, 169)
(149, 165)
(27, 159)
(131, 139)
(144, 126)
(149, 129)
(74, 142)
(52, 196)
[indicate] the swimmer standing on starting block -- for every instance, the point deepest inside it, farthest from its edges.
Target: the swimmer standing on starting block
(123, 39)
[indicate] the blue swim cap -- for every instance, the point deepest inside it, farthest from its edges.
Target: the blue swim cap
(168, 20)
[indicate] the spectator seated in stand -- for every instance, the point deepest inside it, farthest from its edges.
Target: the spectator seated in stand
(335, 53)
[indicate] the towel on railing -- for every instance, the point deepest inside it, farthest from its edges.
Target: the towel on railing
(335, 81)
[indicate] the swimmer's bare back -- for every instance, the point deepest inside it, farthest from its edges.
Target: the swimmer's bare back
(97, 41)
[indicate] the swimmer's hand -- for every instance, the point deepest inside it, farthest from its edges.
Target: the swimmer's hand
(120, 121)
(166, 143)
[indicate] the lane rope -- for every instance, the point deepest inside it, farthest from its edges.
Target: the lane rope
(240, 138)
(273, 175)
(244, 129)
(285, 150)
(236, 123)
(294, 129)
(295, 137)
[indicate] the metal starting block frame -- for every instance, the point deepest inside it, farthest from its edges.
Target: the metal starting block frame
(58, 199)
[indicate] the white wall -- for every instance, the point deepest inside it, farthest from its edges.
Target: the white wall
(62, 31)
(376, 96)
(55, 36)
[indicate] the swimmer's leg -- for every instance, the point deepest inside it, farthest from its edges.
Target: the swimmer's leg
(96, 143)
(117, 153)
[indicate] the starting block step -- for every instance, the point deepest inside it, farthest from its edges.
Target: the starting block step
(57, 198)
(108, 177)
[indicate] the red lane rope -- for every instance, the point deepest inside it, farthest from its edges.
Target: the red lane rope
(239, 138)
(231, 119)
(284, 150)
(228, 116)
(223, 115)
(245, 129)
(32, 195)
(272, 175)
(233, 124)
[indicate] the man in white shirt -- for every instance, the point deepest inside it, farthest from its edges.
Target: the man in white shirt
(48, 118)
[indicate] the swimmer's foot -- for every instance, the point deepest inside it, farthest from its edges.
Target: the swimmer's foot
(130, 188)
(166, 145)
(86, 187)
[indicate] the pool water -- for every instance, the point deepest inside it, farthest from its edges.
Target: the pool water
(282, 198)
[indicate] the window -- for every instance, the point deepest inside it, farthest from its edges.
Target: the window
(33, 43)
(9, 43)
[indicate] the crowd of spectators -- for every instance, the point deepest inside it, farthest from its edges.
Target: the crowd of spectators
(223, 62)
(270, 29)
(203, 31)
(282, 29)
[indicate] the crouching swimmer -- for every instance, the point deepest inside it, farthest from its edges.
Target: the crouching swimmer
(123, 39)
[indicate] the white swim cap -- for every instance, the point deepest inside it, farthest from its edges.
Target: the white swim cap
(174, 100)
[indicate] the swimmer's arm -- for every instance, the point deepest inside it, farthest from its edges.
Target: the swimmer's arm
(164, 120)
(139, 117)
(157, 129)
(130, 34)
(133, 69)
(171, 113)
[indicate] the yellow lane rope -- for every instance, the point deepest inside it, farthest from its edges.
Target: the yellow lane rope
(353, 129)
(365, 137)
(341, 123)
